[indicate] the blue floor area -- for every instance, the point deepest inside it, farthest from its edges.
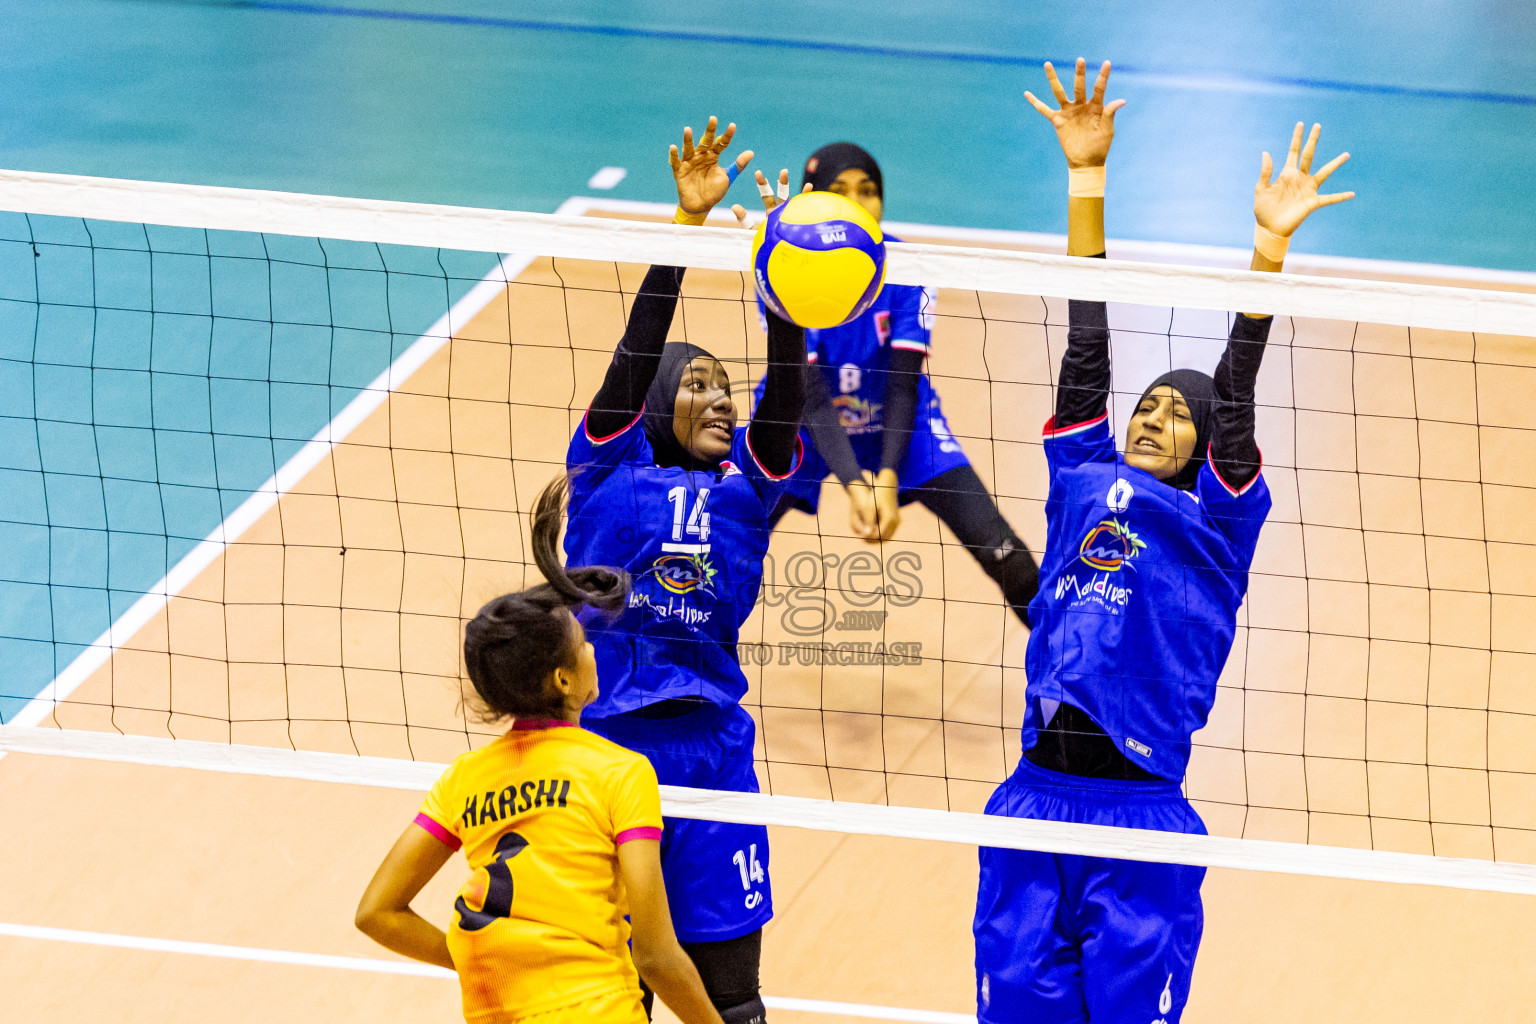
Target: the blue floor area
(150, 380)
(515, 105)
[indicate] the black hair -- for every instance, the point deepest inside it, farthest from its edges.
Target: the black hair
(518, 640)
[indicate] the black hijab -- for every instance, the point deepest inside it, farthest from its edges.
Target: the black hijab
(661, 406)
(1199, 393)
(824, 165)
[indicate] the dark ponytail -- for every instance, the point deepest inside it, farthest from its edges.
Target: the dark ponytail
(518, 640)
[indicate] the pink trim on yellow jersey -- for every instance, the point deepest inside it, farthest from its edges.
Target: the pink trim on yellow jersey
(642, 832)
(437, 831)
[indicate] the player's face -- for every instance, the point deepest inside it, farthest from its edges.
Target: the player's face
(704, 419)
(581, 677)
(1161, 436)
(856, 185)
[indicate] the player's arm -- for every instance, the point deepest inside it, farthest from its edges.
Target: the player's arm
(774, 433)
(911, 329)
(1280, 204)
(658, 956)
(1085, 127)
(384, 913)
(832, 444)
(701, 183)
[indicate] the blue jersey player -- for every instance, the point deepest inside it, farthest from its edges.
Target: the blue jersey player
(874, 420)
(1146, 562)
(665, 485)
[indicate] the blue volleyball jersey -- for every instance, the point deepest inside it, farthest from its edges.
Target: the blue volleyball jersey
(693, 541)
(1140, 584)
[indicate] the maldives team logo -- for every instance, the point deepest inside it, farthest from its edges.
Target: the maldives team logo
(684, 574)
(1110, 545)
(857, 415)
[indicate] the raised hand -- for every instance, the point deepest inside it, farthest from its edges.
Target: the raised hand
(770, 199)
(701, 181)
(1281, 204)
(1085, 125)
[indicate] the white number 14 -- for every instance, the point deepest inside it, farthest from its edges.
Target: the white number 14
(698, 518)
(751, 869)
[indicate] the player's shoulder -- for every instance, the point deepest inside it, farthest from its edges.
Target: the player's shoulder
(604, 757)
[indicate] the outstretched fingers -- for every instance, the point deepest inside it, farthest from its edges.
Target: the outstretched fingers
(725, 137)
(1080, 81)
(1045, 111)
(1337, 197)
(1309, 149)
(1100, 83)
(1329, 167)
(708, 142)
(1295, 153)
(1266, 169)
(1056, 89)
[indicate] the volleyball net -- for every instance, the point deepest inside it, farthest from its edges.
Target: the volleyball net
(264, 454)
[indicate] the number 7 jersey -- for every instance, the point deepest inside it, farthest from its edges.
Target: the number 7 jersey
(540, 813)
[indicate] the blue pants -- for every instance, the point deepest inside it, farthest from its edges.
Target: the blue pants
(1066, 939)
(716, 872)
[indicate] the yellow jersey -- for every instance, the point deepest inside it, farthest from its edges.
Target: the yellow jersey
(540, 813)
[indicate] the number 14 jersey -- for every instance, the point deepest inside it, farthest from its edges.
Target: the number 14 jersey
(693, 542)
(540, 813)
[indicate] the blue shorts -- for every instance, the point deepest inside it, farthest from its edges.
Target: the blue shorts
(1066, 939)
(933, 451)
(716, 872)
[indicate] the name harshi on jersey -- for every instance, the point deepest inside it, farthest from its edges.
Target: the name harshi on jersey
(518, 798)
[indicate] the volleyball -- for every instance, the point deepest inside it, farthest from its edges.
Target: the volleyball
(818, 260)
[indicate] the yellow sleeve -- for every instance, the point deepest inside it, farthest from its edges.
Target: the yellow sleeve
(635, 802)
(435, 815)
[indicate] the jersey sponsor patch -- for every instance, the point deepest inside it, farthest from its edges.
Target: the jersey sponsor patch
(883, 325)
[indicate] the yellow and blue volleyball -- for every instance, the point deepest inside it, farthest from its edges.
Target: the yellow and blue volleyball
(818, 260)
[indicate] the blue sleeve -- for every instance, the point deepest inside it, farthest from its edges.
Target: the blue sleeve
(1239, 513)
(912, 318)
(589, 460)
(769, 486)
(1078, 445)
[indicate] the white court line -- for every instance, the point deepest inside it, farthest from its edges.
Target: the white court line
(412, 968)
(265, 497)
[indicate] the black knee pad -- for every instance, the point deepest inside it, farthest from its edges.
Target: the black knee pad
(750, 1012)
(729, 971)
(1013, 569)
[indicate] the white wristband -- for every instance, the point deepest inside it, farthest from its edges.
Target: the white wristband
(1086, 182)
(1270, 245)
